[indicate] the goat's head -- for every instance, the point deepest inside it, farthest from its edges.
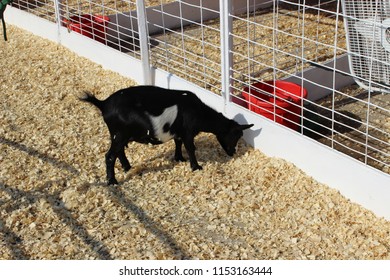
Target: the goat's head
(229, 139)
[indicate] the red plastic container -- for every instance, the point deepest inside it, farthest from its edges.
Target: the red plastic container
(277, 100)
(92, 26)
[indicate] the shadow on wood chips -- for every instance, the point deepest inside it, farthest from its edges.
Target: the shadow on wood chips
(22, 198)
(149, 224)
(35, 153)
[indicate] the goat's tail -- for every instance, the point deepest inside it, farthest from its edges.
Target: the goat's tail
(89, 97)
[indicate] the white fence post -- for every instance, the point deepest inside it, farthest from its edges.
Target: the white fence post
(58, 14)
(225, 8)
(143, 41)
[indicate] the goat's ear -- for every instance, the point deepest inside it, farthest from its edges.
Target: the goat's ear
(245, 126)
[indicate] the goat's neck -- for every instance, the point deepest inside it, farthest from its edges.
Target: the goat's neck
(214, 122)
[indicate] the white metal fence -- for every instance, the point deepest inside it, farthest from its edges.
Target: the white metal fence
(250, 51)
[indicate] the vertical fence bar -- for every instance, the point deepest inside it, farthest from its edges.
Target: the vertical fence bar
(143, 41)
(225, 9)
(58, 14)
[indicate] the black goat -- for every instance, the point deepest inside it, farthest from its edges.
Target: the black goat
(149, 114)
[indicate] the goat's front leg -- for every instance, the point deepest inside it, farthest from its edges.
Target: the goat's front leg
(190, 147)
(124, 161)
(178, 151)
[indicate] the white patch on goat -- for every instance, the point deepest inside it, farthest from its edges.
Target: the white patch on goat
(166, 119)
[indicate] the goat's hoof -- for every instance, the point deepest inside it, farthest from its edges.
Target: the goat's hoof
(112, 181)
(126, 167)
(180, 158)
(196, 167)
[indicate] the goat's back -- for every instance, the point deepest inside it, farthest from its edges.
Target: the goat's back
(151, 99)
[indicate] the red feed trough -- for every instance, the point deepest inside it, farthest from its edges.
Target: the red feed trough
(280, 101)
(92, 26)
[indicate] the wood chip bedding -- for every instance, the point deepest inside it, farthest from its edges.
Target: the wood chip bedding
(54, 203)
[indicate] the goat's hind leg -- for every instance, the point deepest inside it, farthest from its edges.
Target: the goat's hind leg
(116, 151)
(111, 157)
(178, 151)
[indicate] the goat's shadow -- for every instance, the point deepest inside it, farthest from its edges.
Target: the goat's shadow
(206, 152)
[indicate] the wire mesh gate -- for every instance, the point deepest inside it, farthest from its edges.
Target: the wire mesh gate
(233, 47)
